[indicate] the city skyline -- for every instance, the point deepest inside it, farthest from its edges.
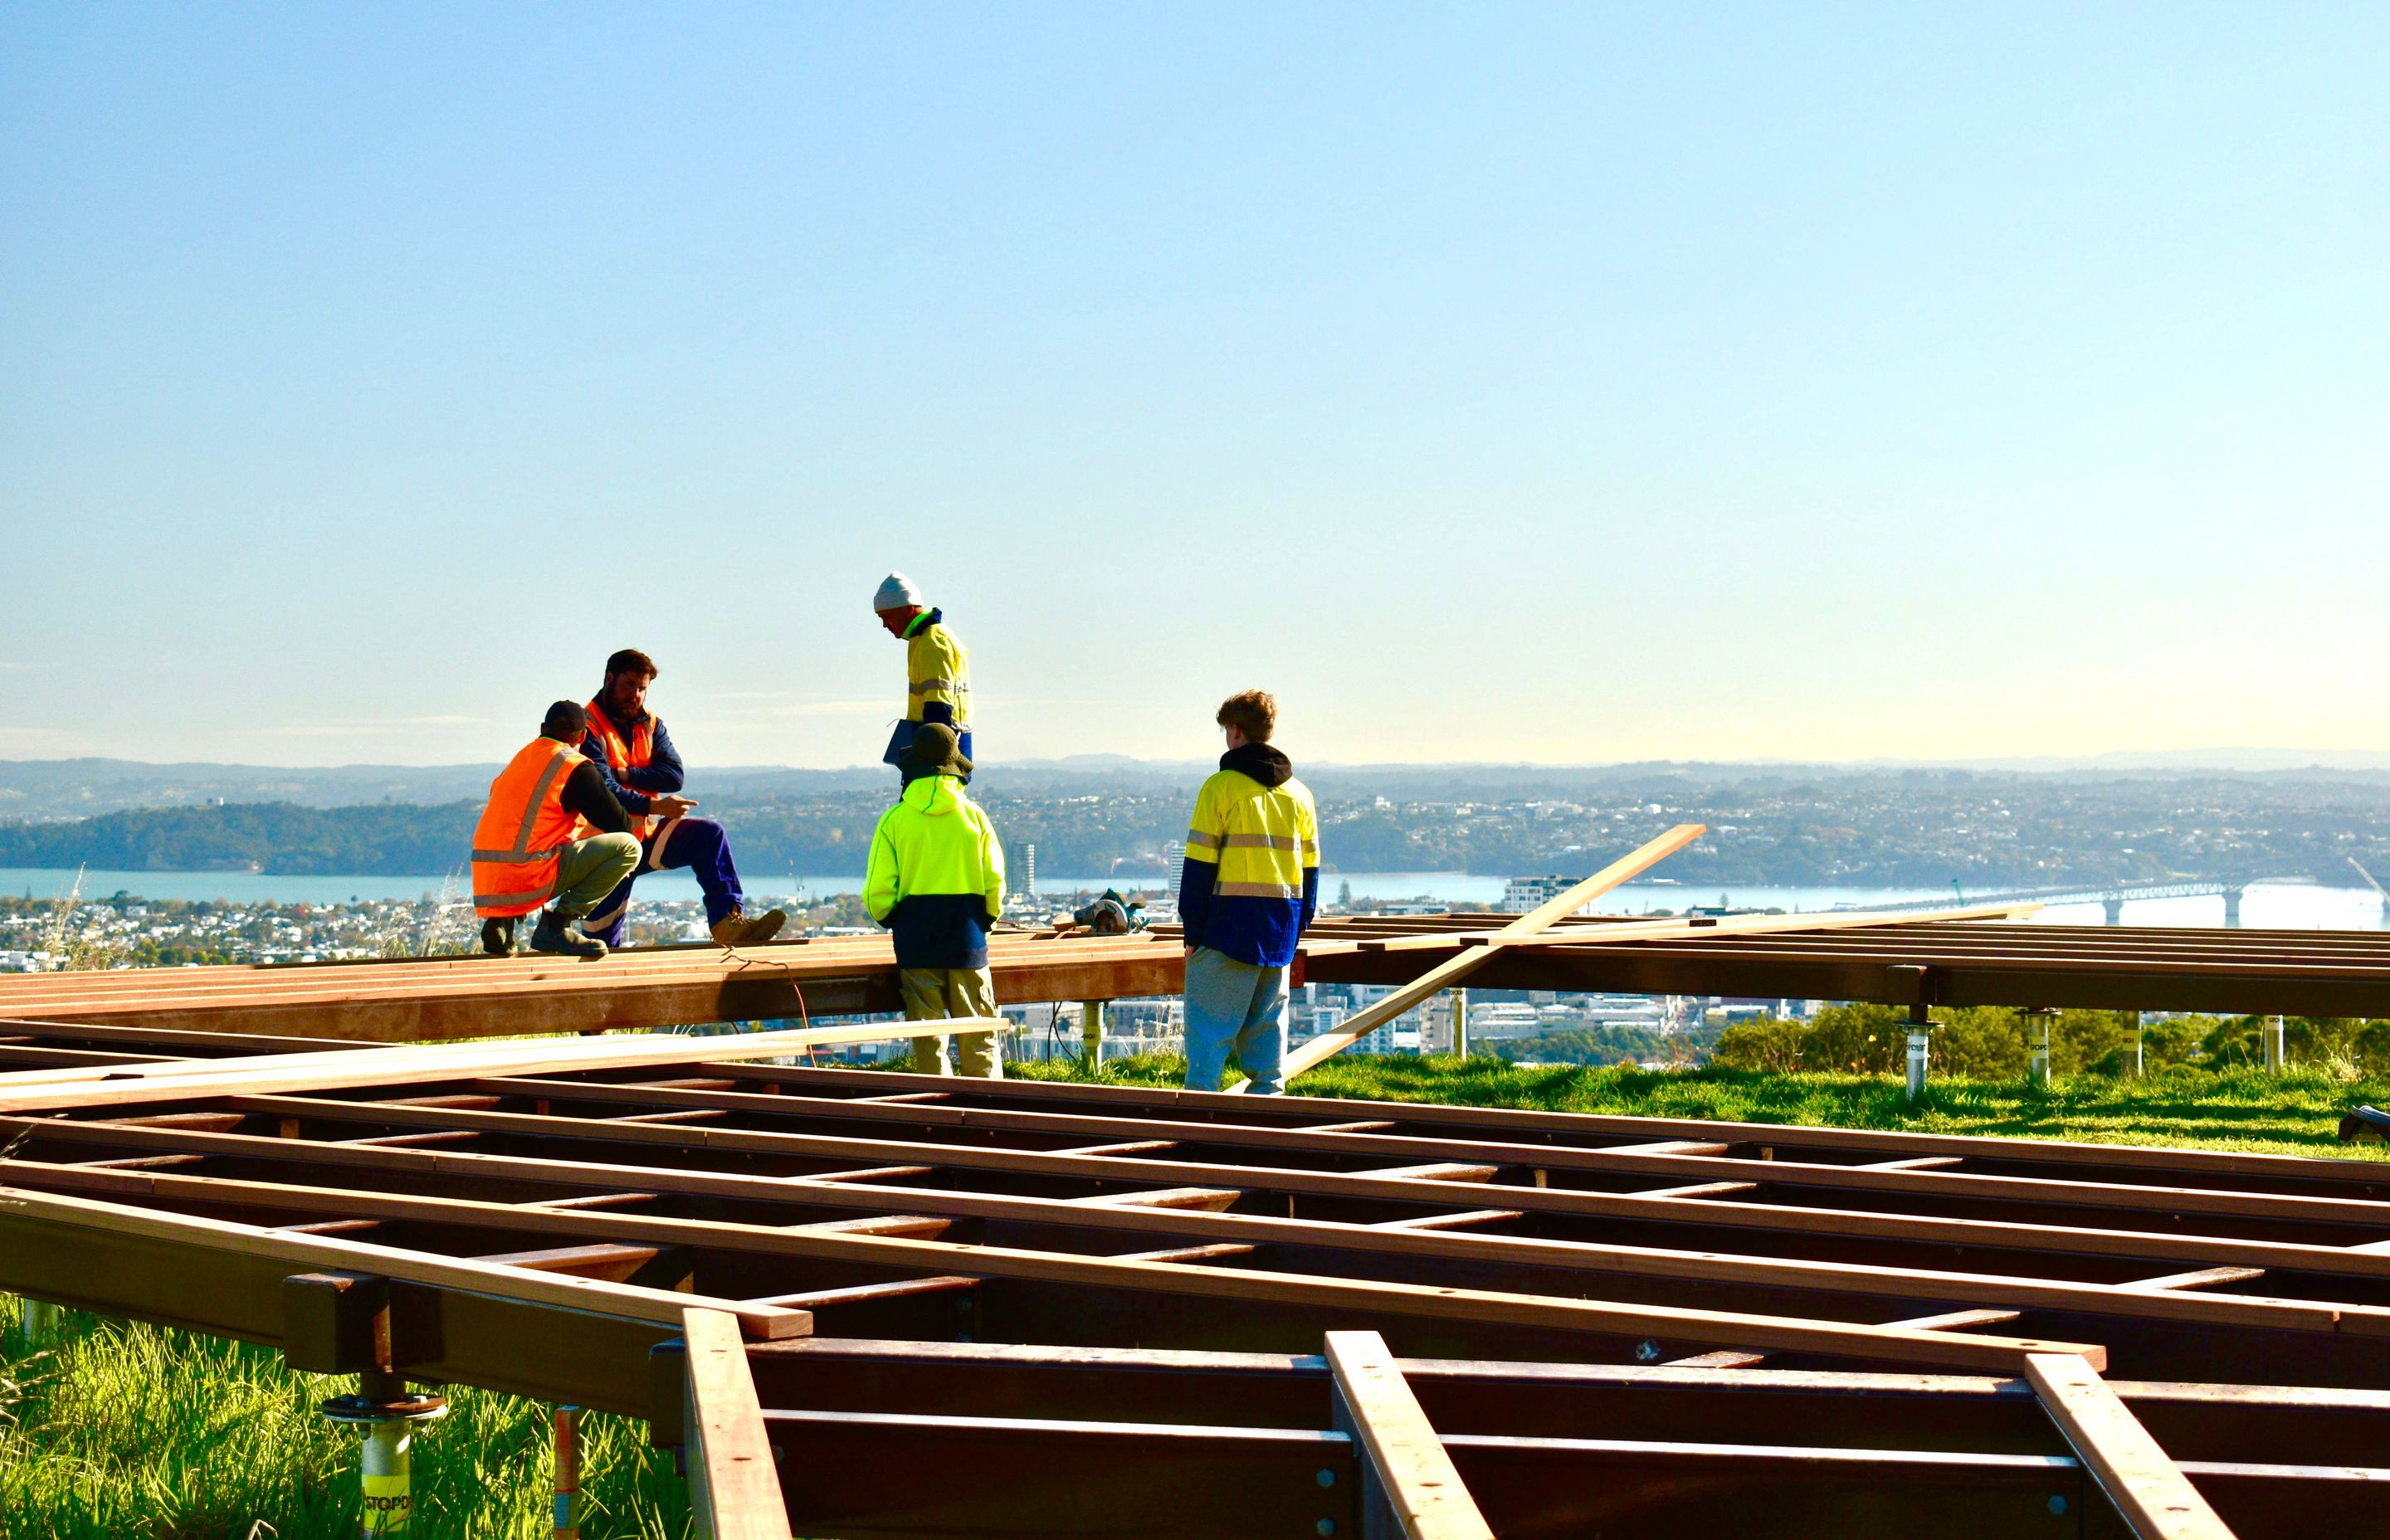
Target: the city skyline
(1547, 386)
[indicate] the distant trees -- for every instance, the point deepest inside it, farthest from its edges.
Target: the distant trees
(384, 838)
(1991, 1043)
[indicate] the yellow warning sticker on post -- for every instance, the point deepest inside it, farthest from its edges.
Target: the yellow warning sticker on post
(389, 1505)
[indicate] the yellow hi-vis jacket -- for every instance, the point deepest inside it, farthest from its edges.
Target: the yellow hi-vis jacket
(1252, 879)
(936, 876)
(937, 669)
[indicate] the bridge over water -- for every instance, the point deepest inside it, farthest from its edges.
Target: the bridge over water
(2111, 896)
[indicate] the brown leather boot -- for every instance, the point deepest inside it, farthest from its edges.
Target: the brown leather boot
(741, 929)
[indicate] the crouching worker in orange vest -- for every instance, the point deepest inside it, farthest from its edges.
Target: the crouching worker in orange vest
(552, 830)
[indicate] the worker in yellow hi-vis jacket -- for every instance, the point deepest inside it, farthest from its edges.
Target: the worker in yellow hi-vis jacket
(1250, 887)
(937, 667)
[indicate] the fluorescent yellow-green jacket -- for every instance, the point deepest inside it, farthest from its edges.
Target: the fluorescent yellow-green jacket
(1252, 879)
(937, 670)
(936, 876)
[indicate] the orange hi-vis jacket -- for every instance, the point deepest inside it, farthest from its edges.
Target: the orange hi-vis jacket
(518, 845)
(622, 755)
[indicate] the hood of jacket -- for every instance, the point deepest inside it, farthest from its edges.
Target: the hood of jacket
(1260, 761)
(936, 795)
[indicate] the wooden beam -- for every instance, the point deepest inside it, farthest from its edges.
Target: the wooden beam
(314, 1253)
(2154, 1498)
(733, 1484)
(1551, 1313)
(1409, 1482)
(1452, 970)
(1507, 941)
(1178, 1213)
(43, 1090)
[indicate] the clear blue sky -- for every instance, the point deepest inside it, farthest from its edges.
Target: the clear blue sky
(1492, 382)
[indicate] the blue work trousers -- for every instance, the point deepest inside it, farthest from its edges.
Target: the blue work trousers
(694, 844)
(1234, 1006)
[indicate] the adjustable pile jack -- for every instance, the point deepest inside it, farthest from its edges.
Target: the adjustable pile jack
(388, 1413)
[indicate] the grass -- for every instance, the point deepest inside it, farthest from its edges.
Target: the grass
(2295, 1113)
(140, 1431)
(137, 1432)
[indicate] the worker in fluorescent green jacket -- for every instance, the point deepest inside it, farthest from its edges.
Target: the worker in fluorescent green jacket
(936, 880)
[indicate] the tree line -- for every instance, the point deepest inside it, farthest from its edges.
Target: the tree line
(1993, 1043)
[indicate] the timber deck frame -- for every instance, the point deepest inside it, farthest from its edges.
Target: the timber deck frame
(1883, 958)
(1101, 1311)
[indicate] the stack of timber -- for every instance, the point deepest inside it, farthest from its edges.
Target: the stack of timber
(1098, 1311)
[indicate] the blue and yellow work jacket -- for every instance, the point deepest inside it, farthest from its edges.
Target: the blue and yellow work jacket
(936, 876)
(1251, 880)
(937, 684)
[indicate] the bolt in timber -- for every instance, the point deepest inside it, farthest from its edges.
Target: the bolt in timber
(388, 1414)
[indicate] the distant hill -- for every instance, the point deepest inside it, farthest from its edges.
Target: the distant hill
(82, 787)
(381, 839)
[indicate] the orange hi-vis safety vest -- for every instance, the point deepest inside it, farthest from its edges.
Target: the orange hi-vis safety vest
(518, 845)
(622, 755)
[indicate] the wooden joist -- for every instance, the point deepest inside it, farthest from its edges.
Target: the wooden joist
(2155, 1499)
(1410, 1482)
(732, 1484)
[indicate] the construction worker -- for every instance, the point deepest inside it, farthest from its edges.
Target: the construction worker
(936, 879)
(1250, 887)
(635, 756)
(937, 668)
(552, 829)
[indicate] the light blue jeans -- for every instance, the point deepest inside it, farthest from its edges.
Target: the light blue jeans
(1233, 1005)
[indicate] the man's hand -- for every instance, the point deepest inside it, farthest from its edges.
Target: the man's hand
(669, 807)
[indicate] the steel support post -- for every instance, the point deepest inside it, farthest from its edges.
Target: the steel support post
(567, 1421)
(1460, 1022)
(41, 1323)
(388, 1415)
(1920, 1026)
(1091, 1032)
(2038, 1054)
(2133, 1063)
(2271, 1032)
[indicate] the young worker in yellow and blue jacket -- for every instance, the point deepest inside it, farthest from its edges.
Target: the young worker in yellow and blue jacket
(1250, 887)
(936, 879)
(937, 667)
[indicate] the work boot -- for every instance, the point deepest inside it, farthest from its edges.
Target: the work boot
(499, 936)
(553, 933)
(740, 928)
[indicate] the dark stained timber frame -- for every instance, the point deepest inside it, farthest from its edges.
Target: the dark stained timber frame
(1889, 959)
(1098, 1311)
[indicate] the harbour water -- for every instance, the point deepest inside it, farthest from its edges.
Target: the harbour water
(2267, 906)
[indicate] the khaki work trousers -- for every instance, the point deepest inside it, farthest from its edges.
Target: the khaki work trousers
(934, 994)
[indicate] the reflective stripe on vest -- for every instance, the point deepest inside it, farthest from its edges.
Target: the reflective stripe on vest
(520, 843)
(1263, 840)
(937, 668)
(621, 756)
